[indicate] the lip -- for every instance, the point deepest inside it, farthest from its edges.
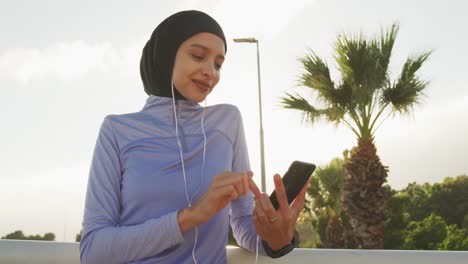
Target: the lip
(203, 85)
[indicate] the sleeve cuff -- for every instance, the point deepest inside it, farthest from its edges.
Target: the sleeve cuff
(278, 253)
(175, 228)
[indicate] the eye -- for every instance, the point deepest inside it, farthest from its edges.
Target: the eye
(197, 58)
(218, 66)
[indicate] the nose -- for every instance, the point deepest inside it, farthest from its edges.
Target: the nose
(208, 70)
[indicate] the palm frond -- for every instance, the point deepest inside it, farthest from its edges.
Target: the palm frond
(364, 63)
(382, 48)
(387, 40)
(343, 95)
(334, 114)
(349, 56)
(297, 102)
(408, 89)
(317, 77)
(355, 61)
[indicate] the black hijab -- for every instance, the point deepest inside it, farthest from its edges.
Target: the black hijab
(157, 59)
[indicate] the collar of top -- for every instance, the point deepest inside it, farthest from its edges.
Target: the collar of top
(154, 102)
(162, 108)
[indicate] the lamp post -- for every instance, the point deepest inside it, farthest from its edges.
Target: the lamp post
(262, 152)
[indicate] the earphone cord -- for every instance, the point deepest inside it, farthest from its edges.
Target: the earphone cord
(204, 154)
(180, 147)
(256, 250)
(189, 201)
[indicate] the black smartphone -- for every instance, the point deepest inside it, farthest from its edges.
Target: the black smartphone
(294, 179)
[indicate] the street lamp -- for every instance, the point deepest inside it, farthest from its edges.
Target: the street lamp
(262, 152)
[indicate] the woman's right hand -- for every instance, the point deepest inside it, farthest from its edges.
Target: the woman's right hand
(225, 187)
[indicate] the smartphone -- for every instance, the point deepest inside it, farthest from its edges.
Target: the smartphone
(294, 180)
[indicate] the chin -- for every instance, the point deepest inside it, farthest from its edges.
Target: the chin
(197, 98)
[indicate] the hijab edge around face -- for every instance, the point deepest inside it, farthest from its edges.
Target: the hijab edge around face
(158, 55)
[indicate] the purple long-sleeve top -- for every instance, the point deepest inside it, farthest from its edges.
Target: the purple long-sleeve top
(136, 185)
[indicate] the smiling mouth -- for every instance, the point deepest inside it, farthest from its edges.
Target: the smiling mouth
(202, 85)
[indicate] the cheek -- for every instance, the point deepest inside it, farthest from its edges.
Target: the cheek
(179, 73)
(179, 76)
(216, 78)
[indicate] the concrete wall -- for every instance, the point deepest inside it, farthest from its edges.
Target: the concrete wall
(41, 252)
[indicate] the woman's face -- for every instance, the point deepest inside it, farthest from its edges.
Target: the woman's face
(197, 65)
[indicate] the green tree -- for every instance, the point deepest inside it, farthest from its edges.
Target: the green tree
(457, 239)
(418, 204)
(326, 194)
(20, 236)
(426, 234)
(15, 235)
(231, 240)
(465, 221)
(48, 237)
(397, 221)
(78, 236)
(358, 100)
(309, 238)
(449, 199)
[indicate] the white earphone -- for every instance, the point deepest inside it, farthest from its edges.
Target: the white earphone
(189, 200)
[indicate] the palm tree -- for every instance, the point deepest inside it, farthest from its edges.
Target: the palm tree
(364, 94)
(326, 193)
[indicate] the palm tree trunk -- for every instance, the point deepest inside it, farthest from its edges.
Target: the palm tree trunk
(365, 198)
(335, 233)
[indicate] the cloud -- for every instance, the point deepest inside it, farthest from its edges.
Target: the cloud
(67, 61)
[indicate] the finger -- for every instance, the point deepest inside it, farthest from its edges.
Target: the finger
(239, 186)
(280, 193)
(245, 184)
(297, 206)
(268, 208)
(227, 191)
(257, 223)
(298, 203)
(231, 178)
(306, 185)
(253, 187)
(263, 218)
(303, 191)
(227, 178)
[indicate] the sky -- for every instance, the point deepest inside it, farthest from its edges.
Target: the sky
(65, 65)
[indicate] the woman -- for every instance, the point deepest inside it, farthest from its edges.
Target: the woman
(166, 181)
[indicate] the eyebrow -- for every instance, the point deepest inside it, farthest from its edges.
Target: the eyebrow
(205, 49)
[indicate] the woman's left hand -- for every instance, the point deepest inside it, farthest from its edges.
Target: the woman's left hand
(276, 227)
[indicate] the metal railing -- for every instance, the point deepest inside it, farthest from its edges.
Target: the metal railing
(43, 252)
